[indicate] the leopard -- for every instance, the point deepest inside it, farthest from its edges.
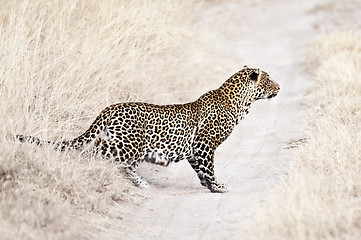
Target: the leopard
(134, 132)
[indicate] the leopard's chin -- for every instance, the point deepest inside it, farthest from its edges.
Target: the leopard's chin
(272, 96)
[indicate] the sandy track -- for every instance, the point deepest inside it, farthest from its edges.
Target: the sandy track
(176, 206)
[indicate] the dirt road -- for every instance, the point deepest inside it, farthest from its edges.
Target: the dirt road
(274, 36)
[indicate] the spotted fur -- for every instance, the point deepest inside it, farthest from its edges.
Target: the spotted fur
(130, 133)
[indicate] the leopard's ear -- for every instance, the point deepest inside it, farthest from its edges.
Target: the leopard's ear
(256, 76)
(259, 76)
(245, 67)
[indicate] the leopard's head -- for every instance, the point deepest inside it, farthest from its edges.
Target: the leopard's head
(261, 84)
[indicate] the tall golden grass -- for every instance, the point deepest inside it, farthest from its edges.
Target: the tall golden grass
(321, 196)
(61, 63)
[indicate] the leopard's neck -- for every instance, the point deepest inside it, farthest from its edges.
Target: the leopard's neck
(237, 95)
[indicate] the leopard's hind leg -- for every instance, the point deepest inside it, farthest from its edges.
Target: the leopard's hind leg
(134, 177)
(127, 158)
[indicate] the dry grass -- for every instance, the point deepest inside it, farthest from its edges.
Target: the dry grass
(61, 63)
(321, 197)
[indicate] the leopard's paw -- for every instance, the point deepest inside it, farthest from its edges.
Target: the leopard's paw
(218, 188)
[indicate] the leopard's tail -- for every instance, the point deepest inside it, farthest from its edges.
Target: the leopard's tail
(80, 142)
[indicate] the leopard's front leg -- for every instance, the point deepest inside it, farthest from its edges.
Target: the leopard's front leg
(203, 164)
(194, 163)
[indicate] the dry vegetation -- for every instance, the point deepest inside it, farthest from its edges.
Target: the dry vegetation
(61, 63)
(321, 197)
